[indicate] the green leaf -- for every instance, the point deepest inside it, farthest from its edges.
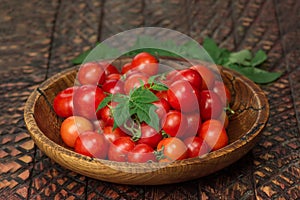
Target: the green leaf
(154, 120)
(159, 87)
(143, 95)
(259, 58)
(257, 75)
(79, 59)
(242, 57)
(121, 113)
(104, 102)
(212, 49)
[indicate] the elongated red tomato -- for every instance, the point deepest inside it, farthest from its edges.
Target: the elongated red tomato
(210, 105)
(175, 124)
(207, 75)
(196, 146)
(91, 73)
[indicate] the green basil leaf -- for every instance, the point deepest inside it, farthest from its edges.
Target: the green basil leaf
(154, 120)
(212, 49)
(143, 95)
(159, 87)
(242, 57)
(257, 75)
(121, 114)
(259, 58)
(104, 102)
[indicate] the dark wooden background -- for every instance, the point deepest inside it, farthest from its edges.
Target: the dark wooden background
(38, 38)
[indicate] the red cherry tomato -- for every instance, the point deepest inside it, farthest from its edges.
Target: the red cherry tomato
(162, 107)
(141, 153)
(214, 134)
(113, 86)
(86, 100)
(149, 136)
(118, 150)
(126, 68)
(145, 63)
(196, 146)
(63, 102)
(190, 75)
(162, 95)
(175, 123)
(172, 149)
(106, 115)
(113, 77)
(208, 77)
(223, 92)
(91, 73)
(210, 105)
(109, 68)
(72, 127)
(111, 135)
(183, 97)
(91, 144)
(134, 81)
(193, 124)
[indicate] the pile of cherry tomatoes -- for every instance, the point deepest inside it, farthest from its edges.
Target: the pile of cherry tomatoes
(191, 112)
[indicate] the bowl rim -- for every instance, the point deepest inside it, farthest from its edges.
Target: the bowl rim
(251, 134)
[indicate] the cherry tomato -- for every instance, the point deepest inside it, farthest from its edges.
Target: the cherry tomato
(111, 135)
(91, 73)
(126, 68)
(214, 134)
(193, 124)
(118, 150)
(72, 127)
(141, 153)
(109, 68)
(63, 102)
(196, 146)
(145, 63)
(149, 136)
(114, 77)
(183, 97)
(223, 92)
(106, 115)
(210, 105)
(98, 124)
(162, 107)
(175, 123)
(172, 149)
(113, 86)
(91, 144)
(162, 95)
(134, 81)
(86, 100)
(208, 77)
(190, 75)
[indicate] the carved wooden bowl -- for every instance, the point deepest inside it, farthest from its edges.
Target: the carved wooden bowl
(251, 114)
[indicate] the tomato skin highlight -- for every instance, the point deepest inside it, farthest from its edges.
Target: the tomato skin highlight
(172, 149)
(141, 153)
(91, 144)
(72, 127)
(63, 102)
(190, 75)
(119, 149)
(214, 134)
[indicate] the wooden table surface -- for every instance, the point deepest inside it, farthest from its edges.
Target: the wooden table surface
(39, 38)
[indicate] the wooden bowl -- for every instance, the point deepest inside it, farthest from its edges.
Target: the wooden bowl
(251, 114)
